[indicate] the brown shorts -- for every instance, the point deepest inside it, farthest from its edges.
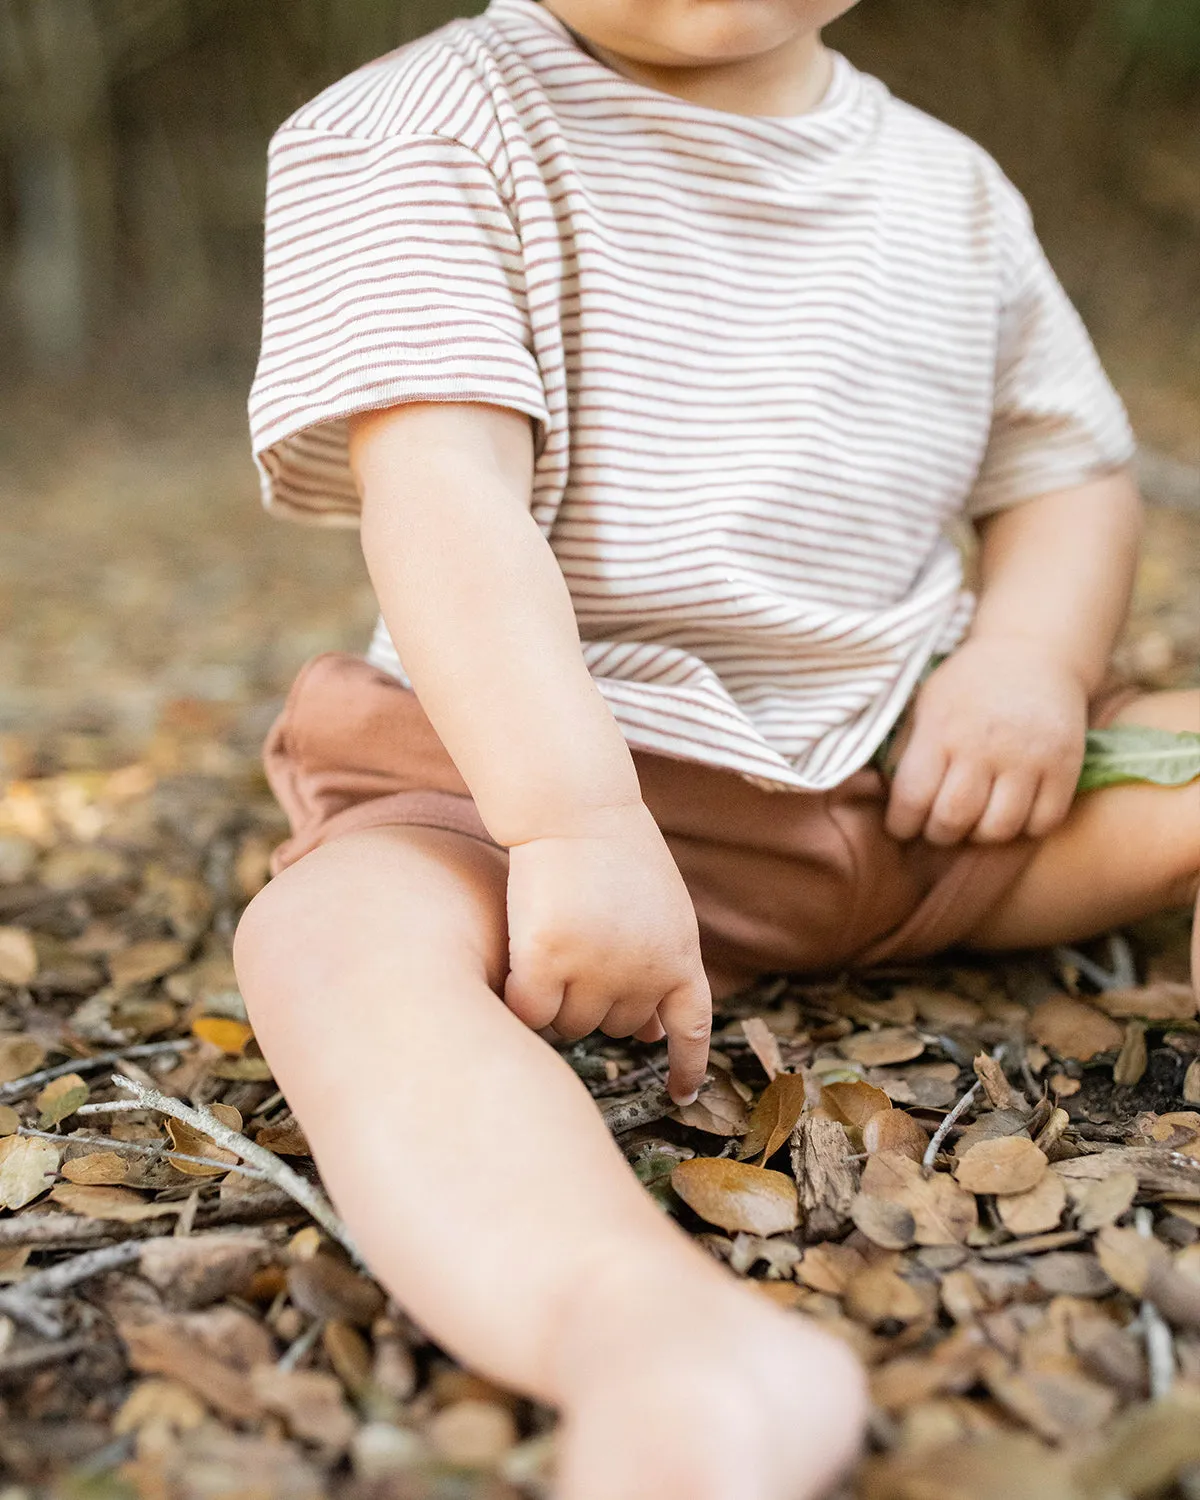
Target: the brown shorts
(781, 880)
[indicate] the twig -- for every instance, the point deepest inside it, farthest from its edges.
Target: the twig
(141, 1148)
(20, 1087)
(1096, 973)
(305, 1193)
(948, 1124)
(44, 1354)
(1160, 1342)
(32, 1314)
(299, 1347)
(653, 1103)
(60, 1231)
(55, 1280)
(24, 1301)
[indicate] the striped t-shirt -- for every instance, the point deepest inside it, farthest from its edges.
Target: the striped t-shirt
(768, 362)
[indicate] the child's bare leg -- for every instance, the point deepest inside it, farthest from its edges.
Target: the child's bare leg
(481, 1185)
(1123, 853)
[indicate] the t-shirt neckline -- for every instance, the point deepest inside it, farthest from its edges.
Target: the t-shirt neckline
(839, 99)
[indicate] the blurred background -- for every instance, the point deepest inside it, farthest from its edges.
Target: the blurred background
(139, 583)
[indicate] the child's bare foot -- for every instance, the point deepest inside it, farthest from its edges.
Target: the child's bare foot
(690, 1387)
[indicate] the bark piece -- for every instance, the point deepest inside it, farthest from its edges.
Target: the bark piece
(826, 1178)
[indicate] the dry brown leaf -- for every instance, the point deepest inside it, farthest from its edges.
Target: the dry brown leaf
(473, 1434)
(194, 1143)
(117, 1203)
(10, 1120)
(990, 1126)
(1164, 1001)
(141, 962)
(61, 1097)
(211, 1353)
(1131, 1063)
(27, 1167)
(160, 1408)
(893, 1130)
(921, 1085)
(285, 1140)
(1000, 1093)
(18, 960)
(852, 1104)
(19, 1056)
(943, 1213)
(1056, 1404)
(894, 1044)
(829, 1268)
(309, 1401)
(774, 1116)
(1070, 1028)
(325, 1286)
(349, 1354)
(1004, 1466)
(884, 1222)
(1146, 1448)
(735, 1195)
(764, 1044)
(96, 1169)
(1101, 1202)
(1036, 1210)
(1063, 1086)
(878, 1296)
(720, 1109)
(1069, 1273)
(1007, 1164)
(1191, 1083)
(945, 1011)
(197, 1270)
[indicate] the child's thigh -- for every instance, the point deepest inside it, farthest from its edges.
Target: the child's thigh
(394, 908)
(1123, 853)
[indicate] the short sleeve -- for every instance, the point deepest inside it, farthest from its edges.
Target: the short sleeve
(393, 273)
(1057, 421)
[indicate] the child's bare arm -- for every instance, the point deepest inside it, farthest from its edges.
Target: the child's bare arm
(998, 730)
(601, 929)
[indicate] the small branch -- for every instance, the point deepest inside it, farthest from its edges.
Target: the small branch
(305, 1193)
(1093, 972)
(55, 1280)
(60, 1231)
(141, 1148)
(24, 1301)
(299, 1347)
(948, 1124)
(19, 1088)
(653, 1103)
(20, 1364)
(1160, 1342)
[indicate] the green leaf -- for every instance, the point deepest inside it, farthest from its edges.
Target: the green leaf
(1130, 752)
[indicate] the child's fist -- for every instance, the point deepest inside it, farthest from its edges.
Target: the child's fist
(994, 748)
(602, 936)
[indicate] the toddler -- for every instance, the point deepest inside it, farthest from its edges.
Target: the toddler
(654, 349)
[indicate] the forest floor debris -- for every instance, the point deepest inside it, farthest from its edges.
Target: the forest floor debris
(961, 1168)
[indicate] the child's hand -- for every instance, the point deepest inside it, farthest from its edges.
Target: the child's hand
(602, 934)
(995, 746)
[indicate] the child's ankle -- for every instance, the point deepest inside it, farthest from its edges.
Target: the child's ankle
(616, 1302)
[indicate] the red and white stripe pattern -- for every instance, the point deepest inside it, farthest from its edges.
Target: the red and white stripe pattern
(769, 361)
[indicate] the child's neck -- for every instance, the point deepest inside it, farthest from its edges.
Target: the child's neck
(790, 80)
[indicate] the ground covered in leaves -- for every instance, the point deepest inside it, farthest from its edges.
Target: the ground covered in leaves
(985, 1177)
